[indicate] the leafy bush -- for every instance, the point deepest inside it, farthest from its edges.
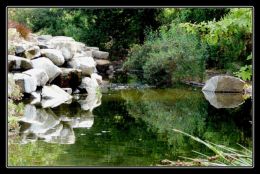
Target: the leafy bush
(193, 15)
(229, 40)
(168, 56)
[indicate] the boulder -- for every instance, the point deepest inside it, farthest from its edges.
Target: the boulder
(97, 77)
(102, 65)
(86, 64)
(69, 78)
(91, 48)
(53, 96)
(54, 55)
(67, 45)
(44, 63)
(83, 54)
(224, 100)
(32, 52)
(20, 48)
(90, 84)
(39, 74)
(18, 63)
(224, 83)
(100, 54)
(44, 38)
(26, 83)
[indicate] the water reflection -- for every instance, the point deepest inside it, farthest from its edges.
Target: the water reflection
(57, 127)
(224, 100)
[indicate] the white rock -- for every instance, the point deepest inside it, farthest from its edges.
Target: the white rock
(100, 54)
(86, 64)
(36, 98)
(53, 96)
(32, 52)
(27, 83)
(18, 63)
(97, 77)
(44, 63)
(224, 83)
(39, 74)
(54, 55)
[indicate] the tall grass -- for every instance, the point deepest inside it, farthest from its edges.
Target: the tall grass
(225, 156)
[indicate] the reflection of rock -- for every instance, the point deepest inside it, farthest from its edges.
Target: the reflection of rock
(53, 96)
(224, 100)
(224, 84)
(92, 101)
(41, 120)
(43, 124)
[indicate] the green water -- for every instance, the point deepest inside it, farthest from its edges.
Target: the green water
(130, 128)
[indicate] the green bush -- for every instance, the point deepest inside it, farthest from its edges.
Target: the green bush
(168, 56)
(229, 40)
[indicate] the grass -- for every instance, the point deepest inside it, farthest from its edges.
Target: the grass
(225, 156)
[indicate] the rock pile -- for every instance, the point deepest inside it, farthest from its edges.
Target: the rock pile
(51, 68)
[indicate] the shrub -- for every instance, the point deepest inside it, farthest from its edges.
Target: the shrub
(169, 56)
(229, 40)
(21, 28)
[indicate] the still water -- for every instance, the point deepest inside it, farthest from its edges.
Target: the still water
(130, 127)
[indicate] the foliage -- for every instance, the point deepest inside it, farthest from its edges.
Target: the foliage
(225, 156)
(245, 72)
(168, 56)
(21, 28)
(14, 91)
(229, 40)
(193, 15)
(14, 112)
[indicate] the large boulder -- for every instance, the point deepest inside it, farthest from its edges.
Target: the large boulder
(86, 64)
(39, 74)
(44, 63)
(53, 96)
(90, 84)
(100, 54)
(69, 78)
(224, 100)
(67, 45)
(26, 83)
(97, 77)
(18, 63)
(102, 65)
(32, 52)
(54, 55)
(224, 83)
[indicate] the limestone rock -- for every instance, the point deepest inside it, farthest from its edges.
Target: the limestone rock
(53, 96)
(100, 54)
(32, 52)
(86, 64)
(54, 55)
(69, 78)
(44, 63)
(224, 84)
(27, 83)
(39, 74)
(18, 63)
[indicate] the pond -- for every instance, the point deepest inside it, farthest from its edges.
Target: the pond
(129, 127)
